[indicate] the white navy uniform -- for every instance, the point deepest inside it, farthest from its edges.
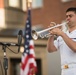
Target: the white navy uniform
(68, 56)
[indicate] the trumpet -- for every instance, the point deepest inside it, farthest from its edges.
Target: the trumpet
(45, 33)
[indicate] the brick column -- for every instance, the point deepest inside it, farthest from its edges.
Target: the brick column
(1, 3)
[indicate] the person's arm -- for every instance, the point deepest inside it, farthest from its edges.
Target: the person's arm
(70, 43)
(50, 44)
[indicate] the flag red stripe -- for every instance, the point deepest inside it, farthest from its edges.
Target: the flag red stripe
(31, 47)
(26, 60)
(24, 63)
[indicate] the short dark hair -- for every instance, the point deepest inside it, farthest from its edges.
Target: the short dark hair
(71, 9)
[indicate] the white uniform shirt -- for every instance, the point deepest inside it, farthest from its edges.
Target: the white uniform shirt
(68, 56)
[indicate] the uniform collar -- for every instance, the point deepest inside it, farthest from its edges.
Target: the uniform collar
(71, 32)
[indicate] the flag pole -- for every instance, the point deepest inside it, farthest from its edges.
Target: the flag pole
(29, 6)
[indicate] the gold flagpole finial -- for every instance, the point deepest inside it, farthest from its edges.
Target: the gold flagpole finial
(29, 3)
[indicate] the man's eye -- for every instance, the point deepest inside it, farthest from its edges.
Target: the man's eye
(70, 15)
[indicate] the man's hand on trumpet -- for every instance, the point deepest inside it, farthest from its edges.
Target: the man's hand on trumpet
(56, 31)
(52, 24)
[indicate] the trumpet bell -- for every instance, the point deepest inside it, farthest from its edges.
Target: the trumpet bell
(34, 35)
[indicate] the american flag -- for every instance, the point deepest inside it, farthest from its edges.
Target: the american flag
(28, 65)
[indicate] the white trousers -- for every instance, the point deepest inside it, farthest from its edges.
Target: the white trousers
(70, 71)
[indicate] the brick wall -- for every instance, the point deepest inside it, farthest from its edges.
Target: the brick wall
(52, 10)
(1, 3)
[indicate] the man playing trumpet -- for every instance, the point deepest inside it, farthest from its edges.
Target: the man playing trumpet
(66, 43)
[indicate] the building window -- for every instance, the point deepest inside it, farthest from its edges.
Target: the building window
(22, 4)
(66, 0)
(14, 3)
(35, 4)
